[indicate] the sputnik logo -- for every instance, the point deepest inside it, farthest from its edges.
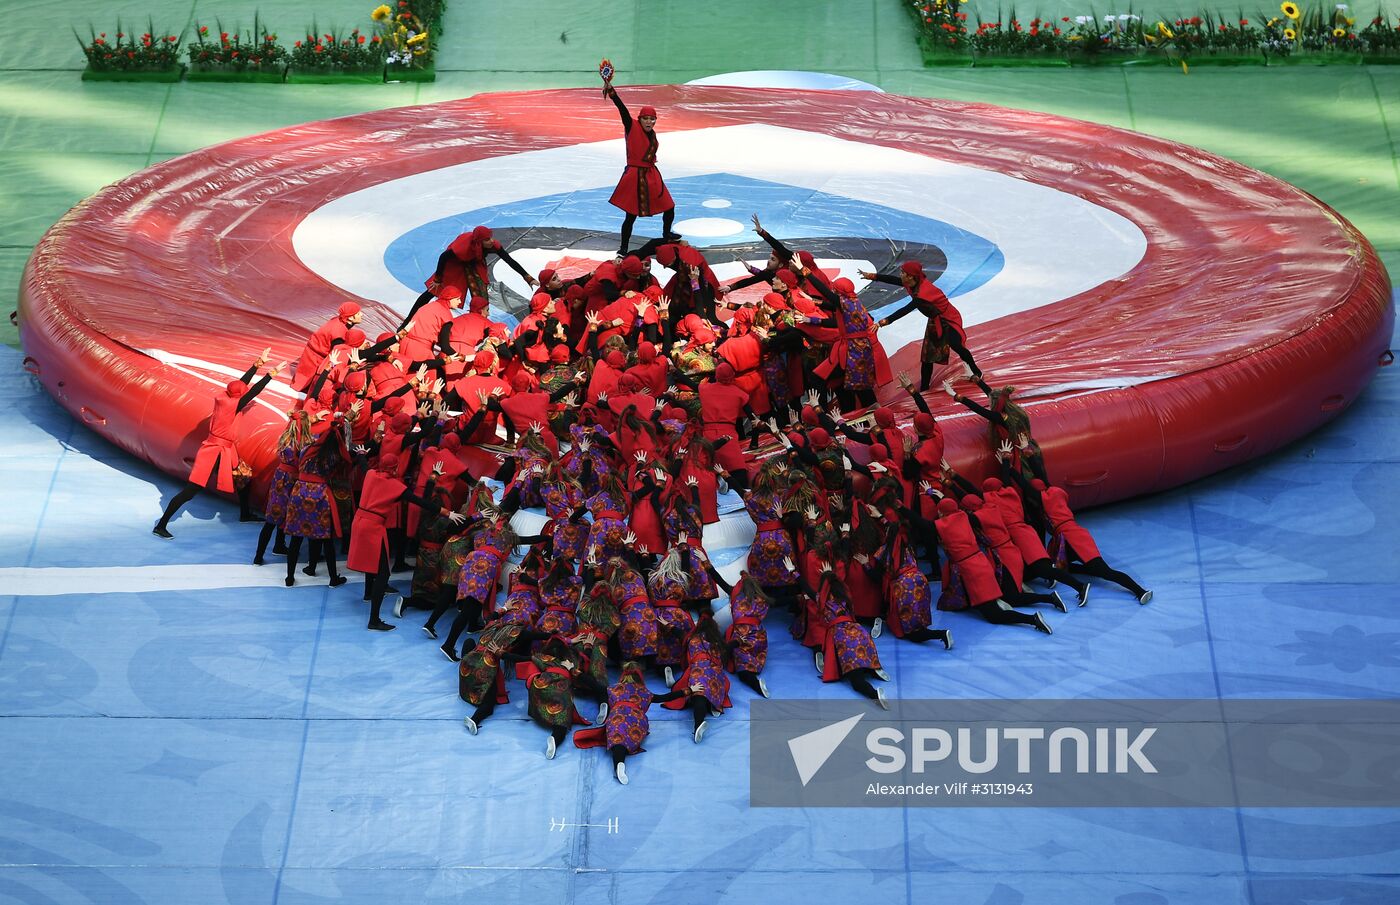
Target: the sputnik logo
(812, 750)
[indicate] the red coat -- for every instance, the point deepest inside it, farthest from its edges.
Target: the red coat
(745, 353)
(315, 352)
(978, 576)
(998, 535)
(1027, 540)
(641, 191)
(722, 404)
(417, 345)
(218, 449)
(369, 537)
(466, 267)
(1061, 518)
(932, 296)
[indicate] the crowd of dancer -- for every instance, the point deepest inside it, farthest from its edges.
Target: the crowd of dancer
(626, 414)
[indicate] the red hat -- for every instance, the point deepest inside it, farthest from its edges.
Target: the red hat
(546, 275)
(843, 286)
(972, 502)
(539, 301)
(809, 416)
(347, 310)
(393, 405)
(991, 485)
(724, 373)
(776, 301)
(236, 388)
(884, 416)
(388, 463)
(479, 303)
(879, 451)
(628, 383)
(912, 268)
(807, 260)
(520, 382)
(559, 354)
(924, 424)
(574, 292)
(819, 437)
(646, 352)
(482, 234)
(355, 381)
(742, 318)
(1038, 484)
(354, 337)
(483, 361)
(383, 337)
(947, 506)
(452, 442)
(449, 292)
(653, 292)
(702, 335)
(788, 277)
(615, 359)
(632, 266)
(401, 422)
(647, 111)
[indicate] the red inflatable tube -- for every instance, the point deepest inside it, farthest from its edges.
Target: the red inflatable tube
(1254, 315)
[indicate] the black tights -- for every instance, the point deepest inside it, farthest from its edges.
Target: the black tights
(619, 754)
(700, 710)
(630, 220)
(186, 494)
(1100, 569)
(324, 549)
(749, 678)
(1017, 597)
(377, 587)
(1044, 570)
(850, 400)
(998, 612)
(787, 595)
(468, 617)
(920, 635)
(860, 681)
(264, 536)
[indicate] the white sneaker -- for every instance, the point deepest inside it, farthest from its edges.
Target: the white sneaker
(670, 677)
(473, 728)
(398, 607)
(820, 658)
(762, 687)
(878, 628)
(882, 674)
(620, 771)
(948, 640)
(700, 731)
(1146, 597)
(880, 699)
(602, 714)
(549, 749)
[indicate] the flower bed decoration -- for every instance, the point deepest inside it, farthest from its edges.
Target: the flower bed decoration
(406, 33)
(243, 56)
(1317, 35)
(149, 57)
(325, 57)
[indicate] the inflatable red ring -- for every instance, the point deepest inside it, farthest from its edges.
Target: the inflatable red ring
(1253, 313)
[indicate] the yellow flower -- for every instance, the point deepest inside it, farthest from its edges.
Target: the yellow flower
(1165, 32)
(1184, 70)
(418, 39)
(1290, 9)
(1149, 38)
(381, 13)
(1274, 21)
(1290, 34)
(1351, 21)
(1339, 32)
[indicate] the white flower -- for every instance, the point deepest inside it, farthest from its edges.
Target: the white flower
(1110, 19)
(1083, 20)
(1341, 6)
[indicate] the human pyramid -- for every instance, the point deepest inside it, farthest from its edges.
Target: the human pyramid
(633, 414)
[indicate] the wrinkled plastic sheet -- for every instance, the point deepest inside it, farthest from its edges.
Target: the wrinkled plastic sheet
(1255, 313)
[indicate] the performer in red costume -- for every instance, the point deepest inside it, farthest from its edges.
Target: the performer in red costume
(641, 192)
(218, 455)
(319, 345)
(945, 327)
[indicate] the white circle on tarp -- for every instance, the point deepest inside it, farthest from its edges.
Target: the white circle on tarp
(716, 202)
(709, 226)
(786, 78)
